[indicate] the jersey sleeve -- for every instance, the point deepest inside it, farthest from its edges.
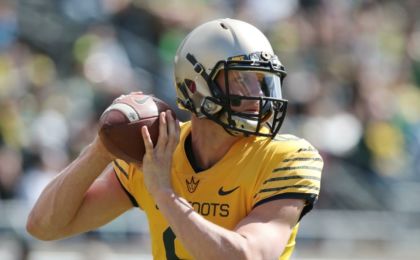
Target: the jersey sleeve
(124, 171)
(293, 175)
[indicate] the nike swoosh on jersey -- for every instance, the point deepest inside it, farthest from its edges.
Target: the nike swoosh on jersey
(223, 192)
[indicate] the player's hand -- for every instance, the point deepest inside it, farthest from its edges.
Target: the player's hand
(157, 161)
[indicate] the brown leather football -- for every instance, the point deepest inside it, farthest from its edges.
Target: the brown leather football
(120, 124)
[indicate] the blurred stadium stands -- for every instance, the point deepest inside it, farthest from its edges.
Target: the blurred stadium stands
(353, 87)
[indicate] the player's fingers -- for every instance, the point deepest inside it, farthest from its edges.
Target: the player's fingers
(171, 124)
(178, 130)
(172, 131)
(163, 131)
(177, 133)
(148, 144)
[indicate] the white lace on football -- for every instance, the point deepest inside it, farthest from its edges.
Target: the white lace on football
(127, 110)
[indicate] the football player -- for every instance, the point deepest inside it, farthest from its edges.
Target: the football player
(224, 185)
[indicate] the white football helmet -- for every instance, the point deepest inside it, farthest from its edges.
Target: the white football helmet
(234, 47)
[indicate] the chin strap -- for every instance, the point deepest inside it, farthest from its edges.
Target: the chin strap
(197, 66)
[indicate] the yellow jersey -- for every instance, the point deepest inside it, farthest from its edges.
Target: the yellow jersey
(255, 170)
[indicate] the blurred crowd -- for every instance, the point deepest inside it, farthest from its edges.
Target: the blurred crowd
(353, 83)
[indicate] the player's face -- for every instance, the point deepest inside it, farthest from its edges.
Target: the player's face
(243, 83)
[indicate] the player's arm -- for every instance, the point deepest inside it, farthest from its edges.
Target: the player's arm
(263, 234)
(79, 198)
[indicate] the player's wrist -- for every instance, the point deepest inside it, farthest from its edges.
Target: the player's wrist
(163, 194)
(97, 152)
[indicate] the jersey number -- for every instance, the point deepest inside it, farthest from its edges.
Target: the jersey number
(169, 242)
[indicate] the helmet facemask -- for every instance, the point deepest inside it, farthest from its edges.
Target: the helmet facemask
(232, 47)
(246, 95)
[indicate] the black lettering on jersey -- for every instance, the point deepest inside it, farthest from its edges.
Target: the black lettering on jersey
(224, 210)
(214, 208)
(210, 208)
(205, 209)
(196, 206)
(169, 243)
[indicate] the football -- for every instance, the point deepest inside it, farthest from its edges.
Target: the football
(120, 124)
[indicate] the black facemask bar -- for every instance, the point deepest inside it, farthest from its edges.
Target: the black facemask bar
(269, 106)
(277, 113)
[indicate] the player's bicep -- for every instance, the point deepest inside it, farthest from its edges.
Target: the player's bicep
(104, 201)
(268, 227)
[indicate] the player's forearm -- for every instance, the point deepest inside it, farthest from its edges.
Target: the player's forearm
(63, 196)
(202, 238)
